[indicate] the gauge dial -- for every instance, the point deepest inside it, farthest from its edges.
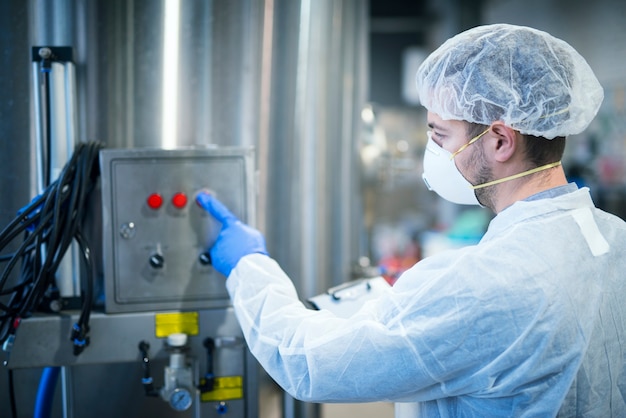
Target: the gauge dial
(180, 399)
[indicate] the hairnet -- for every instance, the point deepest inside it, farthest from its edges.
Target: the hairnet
(528, 79)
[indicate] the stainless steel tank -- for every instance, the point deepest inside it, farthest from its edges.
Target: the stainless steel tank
(285, 77)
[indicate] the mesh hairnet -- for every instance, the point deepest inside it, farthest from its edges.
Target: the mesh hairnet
(528, 79)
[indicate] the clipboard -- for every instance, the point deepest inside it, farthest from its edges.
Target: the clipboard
(347, 298)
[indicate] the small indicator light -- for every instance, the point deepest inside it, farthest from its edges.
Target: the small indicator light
(155, 201)
(179, 200)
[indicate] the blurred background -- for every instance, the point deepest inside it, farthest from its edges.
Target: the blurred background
(323, 91)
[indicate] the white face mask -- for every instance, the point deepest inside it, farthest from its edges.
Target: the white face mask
(443, 177)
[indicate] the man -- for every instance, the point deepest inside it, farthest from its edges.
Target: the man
(529, 322)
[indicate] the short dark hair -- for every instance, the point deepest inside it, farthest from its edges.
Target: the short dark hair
(541, 151)
(538, 150)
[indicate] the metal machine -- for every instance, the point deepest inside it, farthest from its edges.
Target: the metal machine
(163, 300)
(177, 78)
(155, 236)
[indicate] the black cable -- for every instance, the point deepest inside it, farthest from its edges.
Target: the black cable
(47, 226)
(61, 234)
(81, 327)
(146, 380)
(22, 221)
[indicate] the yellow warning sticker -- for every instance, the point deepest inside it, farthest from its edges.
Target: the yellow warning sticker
(176, 322)
(224, 388)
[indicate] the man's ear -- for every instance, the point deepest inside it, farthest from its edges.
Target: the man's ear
(504, 141)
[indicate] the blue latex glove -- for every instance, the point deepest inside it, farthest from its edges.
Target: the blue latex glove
(235, 240)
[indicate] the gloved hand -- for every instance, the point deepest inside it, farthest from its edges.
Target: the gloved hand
(235, 240)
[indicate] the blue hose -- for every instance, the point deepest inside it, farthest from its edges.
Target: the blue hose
(45, 393)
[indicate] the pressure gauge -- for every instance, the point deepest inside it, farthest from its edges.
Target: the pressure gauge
(180, 399)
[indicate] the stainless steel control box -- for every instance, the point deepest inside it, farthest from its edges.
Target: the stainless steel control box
(155, 236)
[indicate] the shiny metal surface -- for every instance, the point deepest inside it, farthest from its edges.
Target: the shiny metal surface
(153, 254)
(109, 372)
(211, 94)
(56, 122)
(285, 76)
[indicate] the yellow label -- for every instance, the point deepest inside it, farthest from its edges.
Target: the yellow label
(225, 388)
(176, 322)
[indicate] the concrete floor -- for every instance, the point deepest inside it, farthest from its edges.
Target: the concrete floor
(272, 398)
(364, 410)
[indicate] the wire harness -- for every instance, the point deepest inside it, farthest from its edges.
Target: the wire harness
(48, 226)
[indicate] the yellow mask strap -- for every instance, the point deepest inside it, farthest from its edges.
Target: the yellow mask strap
(471, 141)
(516, 176)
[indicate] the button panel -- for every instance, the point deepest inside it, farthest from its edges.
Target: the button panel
(156, 242)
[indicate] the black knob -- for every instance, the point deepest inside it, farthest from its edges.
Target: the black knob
(208, 383)
(156, 261)
(204, 259)
(144, 346)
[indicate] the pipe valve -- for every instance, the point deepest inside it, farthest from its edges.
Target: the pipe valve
(178, 388)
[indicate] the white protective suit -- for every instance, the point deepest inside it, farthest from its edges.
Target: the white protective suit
(530, 321)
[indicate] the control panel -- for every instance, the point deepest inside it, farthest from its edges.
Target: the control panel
(155, 236)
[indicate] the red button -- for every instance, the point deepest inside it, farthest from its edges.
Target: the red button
(179, 200)
(155, 201)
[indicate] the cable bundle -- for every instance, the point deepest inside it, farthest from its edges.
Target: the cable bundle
(48, 225)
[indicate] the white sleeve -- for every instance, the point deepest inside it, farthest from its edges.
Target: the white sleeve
(314, 355)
